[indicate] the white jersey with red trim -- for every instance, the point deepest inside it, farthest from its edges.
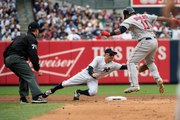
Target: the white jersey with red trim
(141, 25)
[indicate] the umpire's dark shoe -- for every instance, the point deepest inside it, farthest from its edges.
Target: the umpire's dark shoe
(23, 100)
(38, 100)
(76, 95)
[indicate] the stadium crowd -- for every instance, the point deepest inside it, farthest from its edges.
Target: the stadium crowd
(9, 25)
(76, 23)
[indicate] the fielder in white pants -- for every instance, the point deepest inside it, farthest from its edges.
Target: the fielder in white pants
(98, 68)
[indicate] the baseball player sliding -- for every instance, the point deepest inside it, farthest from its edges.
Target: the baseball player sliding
(98, 68)
(141, 25)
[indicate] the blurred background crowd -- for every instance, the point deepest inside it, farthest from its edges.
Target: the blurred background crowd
(72, 22)
(9, 24)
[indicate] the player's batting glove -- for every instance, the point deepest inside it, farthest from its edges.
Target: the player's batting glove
(105, 33)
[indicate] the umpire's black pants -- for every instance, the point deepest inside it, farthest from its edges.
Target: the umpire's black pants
(26, 76)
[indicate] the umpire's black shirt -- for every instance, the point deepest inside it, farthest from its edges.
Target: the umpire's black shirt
(26, 47)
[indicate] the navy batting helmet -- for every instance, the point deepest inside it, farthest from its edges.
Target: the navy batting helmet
(128, 11)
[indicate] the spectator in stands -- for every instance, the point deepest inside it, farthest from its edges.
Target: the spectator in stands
(3, 3)
(81, 31)
(175, 34)
(114, 15)
(6, 29)
(96, 31)
(1, 35)
(56, 7)
(164, 34)
(64, 9)
(14, 23)
(11, 4)
(4, 24)
(99, 23)
(53, 33)
(73, 35)
(69, 27)
(6, 37)
(11, 10)
(15, 33)
(8, 18)
(88, 11)
(46, 6)
(63, 34)
(89, 28)
(45, 35)
(79, 11)
(37, 7)
(41, 13)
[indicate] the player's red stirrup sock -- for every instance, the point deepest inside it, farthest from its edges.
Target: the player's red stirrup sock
(84, 92)
(59, 86)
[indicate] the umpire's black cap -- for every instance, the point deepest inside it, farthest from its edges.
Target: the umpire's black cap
(110, 51)
(33, 26)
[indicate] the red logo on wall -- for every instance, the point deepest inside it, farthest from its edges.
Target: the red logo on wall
(50, 63)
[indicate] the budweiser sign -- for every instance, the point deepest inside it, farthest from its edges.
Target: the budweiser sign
(61, 60)
(52, 63)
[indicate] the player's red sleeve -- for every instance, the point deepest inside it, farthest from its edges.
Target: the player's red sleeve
(105, 33)
(98, 37)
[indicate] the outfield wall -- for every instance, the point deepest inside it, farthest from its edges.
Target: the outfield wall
(60, 60)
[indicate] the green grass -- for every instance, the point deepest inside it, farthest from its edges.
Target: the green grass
(11, 111)
(102, 90)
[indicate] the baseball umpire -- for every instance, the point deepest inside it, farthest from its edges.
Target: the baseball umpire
(24, 47)
(142, 27)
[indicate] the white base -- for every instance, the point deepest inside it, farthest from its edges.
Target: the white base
(111, 98)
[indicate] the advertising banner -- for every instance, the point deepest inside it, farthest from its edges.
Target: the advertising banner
(60, 60)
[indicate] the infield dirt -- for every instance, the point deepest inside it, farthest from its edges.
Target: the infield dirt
(146, 107)
(136, 107)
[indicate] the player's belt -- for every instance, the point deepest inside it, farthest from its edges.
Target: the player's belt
(147, 38)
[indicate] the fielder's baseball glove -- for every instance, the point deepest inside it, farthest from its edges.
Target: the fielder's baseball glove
(142, 68)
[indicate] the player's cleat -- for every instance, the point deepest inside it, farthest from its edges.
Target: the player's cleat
(38, 100)
(47, 93)
(76, 95)
(23, 100)
(160, 84)
(132, 89)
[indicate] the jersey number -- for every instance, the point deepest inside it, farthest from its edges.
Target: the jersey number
(145, 24)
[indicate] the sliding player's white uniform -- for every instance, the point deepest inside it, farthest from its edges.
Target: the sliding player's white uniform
(100, 67)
